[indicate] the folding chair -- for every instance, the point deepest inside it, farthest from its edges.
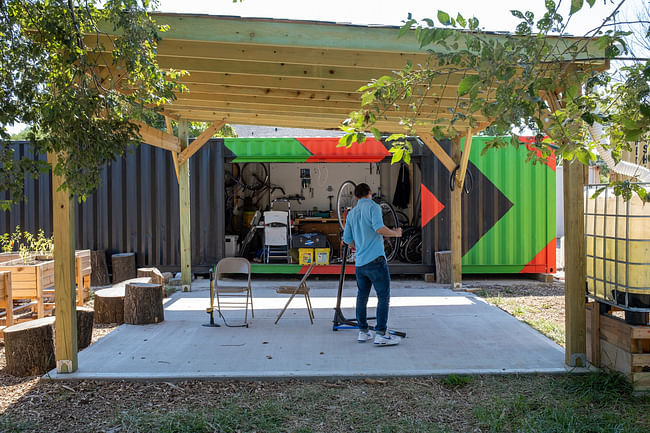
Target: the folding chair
(300, 289)
(230, 288)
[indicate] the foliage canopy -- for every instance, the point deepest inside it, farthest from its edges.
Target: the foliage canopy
(54, 77)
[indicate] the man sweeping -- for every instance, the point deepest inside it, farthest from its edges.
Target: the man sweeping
(365, 231)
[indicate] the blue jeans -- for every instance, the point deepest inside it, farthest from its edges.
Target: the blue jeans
(374, 274)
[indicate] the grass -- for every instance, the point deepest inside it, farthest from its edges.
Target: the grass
(9, 424)
(552, 330)
(596, 402)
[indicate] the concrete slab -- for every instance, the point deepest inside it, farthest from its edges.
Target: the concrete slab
(447, 332)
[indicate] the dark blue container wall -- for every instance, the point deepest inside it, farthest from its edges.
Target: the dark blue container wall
(136, 208)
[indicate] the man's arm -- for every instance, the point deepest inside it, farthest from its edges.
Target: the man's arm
(391, 233)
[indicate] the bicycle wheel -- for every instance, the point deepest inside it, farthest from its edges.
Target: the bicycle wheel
(390, 220)
(413, 249)
(231, 174)
(254, 175)
(402, 218)
(345, 201)
(407, 233)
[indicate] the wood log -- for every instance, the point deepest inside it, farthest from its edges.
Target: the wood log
(85, 319)
(443, 267)
(99, 274)
(143, 304)
(109, 305)
(29, 347)
(156, 277)
(123, 266)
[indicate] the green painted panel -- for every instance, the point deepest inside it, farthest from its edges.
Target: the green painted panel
(271, 268)
(267, 149)
(529, 225)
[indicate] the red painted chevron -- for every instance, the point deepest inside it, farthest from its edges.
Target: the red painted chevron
(543, 262)
(324, 149)
(550, 161)
(431, 206)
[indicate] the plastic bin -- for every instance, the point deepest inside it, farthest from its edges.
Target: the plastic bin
(322, 256)
(305, 256)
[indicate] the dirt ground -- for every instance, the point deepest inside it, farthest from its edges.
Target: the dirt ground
(105, 406)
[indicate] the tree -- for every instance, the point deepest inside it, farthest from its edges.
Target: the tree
(526, 68)
(58, 67)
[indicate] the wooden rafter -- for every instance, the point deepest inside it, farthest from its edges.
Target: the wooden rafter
(194, 146)
(168, 125)
(438, 151)
(158, 138)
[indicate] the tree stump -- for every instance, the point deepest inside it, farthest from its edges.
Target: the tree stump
(99, 273)
(156, 277)
(85, 319)
(143, 304)
(443, 267)
(123, 266)
(29, 347)
(109, 305)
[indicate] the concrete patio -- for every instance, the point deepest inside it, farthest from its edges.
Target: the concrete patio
(447, 332)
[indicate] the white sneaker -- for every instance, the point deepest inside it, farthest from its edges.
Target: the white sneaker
(387, 340)
(365, 336)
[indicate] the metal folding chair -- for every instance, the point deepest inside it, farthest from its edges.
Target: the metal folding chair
(300, 289)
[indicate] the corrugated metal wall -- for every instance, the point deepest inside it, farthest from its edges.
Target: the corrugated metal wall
(136, 207)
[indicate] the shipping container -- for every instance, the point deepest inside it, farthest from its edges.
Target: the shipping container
(508, 216)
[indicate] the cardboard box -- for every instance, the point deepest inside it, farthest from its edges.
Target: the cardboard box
(322, 256)
(305, 256)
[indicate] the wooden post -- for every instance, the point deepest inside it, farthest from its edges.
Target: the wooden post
(64, 276)
(574, 264)
(184, 203)
(456, 223)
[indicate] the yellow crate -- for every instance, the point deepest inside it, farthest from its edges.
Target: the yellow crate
(322, 256)
(305, 256)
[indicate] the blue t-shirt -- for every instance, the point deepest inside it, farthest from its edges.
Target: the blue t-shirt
(361, 227)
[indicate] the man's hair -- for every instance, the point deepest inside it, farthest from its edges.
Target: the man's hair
(361, 190)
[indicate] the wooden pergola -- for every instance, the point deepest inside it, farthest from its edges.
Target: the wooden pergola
(303, 75)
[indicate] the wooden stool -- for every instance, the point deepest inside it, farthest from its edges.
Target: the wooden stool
(85, 319)
(29, 347)
(99, 275)
(123, 266)
(109, 305)
(156, 277)
(143, 304)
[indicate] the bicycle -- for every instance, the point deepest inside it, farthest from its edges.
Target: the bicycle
(345, 201)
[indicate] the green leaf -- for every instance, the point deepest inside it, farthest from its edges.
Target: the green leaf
(367, 98)
(460, 20)
(407, 157)
(517, 14)
(572, 91)
(576, 5)
(591, 3)
(376, 133)
(397, 155)
(444, 18)
(467, 83)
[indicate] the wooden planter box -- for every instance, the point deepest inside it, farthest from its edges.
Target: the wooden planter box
(6, 300)
(31, 281)
(83, 270)
(614, 344)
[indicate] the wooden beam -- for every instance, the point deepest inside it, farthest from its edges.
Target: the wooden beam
(464, 160)
(200, 141)
(574, 264)
(158, 138)
(64, 275)
(185, 211)
(170, 130)
(456, 230)
(574, 256)
(438, 151)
